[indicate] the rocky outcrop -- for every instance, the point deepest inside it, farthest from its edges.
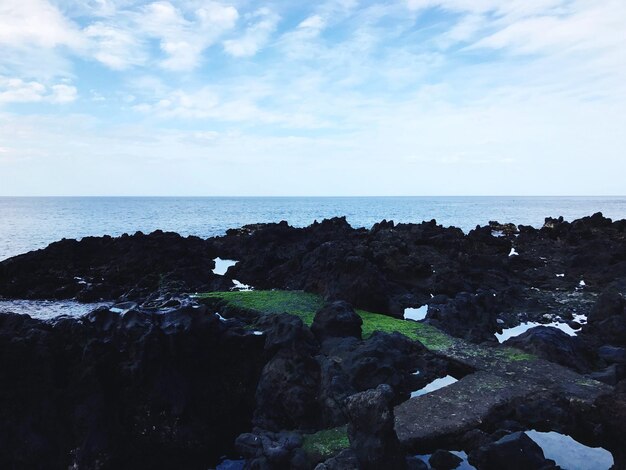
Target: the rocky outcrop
(337, 319)
(370, 429)
(515, 451)
(125, 268)
(556, 346)
(349, 366)
(158, 391)
(287, 393)
(136, 390)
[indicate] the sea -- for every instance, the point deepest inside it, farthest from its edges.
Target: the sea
(30, 223)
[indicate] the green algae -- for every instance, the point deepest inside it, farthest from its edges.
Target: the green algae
(326, 443)
(305, 305)
(301, 304)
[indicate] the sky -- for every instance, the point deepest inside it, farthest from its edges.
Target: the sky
(333, 97)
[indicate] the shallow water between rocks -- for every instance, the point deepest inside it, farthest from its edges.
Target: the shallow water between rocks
(49, 309)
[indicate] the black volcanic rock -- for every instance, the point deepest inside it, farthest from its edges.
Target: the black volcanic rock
(109, 268)
(111, 391)
(554, 345)
(287, 392)
(370, 429)
(348, 366)
(444, 460)
(514, 451)
(471, 316)
(337, 319)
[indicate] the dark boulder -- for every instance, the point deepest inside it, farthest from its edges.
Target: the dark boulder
(554, 345)
(126, 267)
(607, 320)
(612, 354)
(611, 375)
(444, 460)
(610, 410)
(137, 390)
(371, 429)
(345, 460)
(274, 449)
(285, 331)
(287, 392)
(470, 316)
(349, 366)
(610, 303)
(515, 451)
(337, 319)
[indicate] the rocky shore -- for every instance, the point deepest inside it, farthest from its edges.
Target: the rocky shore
(317, 367)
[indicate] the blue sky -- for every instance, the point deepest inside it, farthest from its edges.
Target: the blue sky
(336, 97)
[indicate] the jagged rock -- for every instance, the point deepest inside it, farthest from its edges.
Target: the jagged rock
(345, 460)
(337, 319)
(471, 316)
(609, 303)
(610, 409)
(444, 460)
(554, 345)
(515, 451)
(612, 355)
(287, 392)
(370, 429)
(349, 366)
(117, 391)
(274, 449)
(128, 267)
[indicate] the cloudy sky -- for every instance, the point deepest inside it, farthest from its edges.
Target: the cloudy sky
(336, 97)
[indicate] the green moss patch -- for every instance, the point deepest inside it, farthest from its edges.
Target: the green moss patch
(304, 305)
(299, 303)
(326, 443)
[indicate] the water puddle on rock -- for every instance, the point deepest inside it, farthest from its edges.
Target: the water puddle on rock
(434, 385)
(416, 314)
(508, 333)
(571, 454)
(241, 286)
(222, 265)
(463, 465)
(49, 309)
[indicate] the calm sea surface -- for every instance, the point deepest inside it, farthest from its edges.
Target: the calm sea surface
(31, 223)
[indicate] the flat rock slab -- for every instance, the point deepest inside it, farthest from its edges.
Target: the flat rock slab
(424, 422)
(455, 409)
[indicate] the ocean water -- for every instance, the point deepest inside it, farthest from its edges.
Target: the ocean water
(32, 223)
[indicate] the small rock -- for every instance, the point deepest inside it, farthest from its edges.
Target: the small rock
(444, 460)
(337, 319)
(515, 451)
(612, 354)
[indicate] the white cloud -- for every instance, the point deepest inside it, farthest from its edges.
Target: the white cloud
(184, 40)
(515, 8)
(314, 22)
(62, 94)
(36, 22)
(117, 48)
(257, 34)
(588, 27)
(16, 90)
